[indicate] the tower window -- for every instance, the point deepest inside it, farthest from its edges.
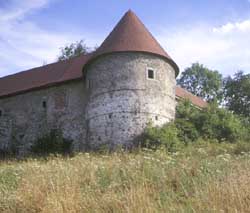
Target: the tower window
(1, 113)
(151, 74)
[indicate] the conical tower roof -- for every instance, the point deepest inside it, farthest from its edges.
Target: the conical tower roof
(130, 35)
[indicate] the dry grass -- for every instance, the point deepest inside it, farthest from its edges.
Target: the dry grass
(203, 178)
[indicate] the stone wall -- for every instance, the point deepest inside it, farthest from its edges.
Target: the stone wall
(28, 116)
(122, 100)
(115, 108)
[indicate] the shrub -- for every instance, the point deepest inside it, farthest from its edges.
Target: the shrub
(186, 130)
(52, 143)
(210, 123)
(166, 136)
(192, 124)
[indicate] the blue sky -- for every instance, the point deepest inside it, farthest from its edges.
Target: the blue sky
(215, 33)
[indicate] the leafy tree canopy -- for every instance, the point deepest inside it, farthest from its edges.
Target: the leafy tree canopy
(237, 93)
(74, 49)
(202, 82)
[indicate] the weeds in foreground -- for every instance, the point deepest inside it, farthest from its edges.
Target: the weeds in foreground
(200, 178)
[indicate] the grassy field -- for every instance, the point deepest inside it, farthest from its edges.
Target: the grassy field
(200, 178)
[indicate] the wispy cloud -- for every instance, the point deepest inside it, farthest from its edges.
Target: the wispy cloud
(17, 9)
(225, 48)
(23, 44)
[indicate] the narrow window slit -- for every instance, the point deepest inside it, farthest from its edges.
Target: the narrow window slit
(44, 104)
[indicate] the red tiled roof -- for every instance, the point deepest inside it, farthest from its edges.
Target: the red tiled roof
(60, 72)
(44, 76)
(195, 100)
(130, 34)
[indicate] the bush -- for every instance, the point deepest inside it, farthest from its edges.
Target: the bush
(192, 124)
(210, 123)
(222, 125)
(52, 143)
(166, 136)
(186, 130)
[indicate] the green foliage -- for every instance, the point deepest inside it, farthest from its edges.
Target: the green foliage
(202, 82)
(237, 93)
(222, 124)
(192, 125)
(72, 50)
(52, 143)
(166, 136)
(186, 131)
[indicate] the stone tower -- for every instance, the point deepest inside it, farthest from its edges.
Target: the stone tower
(131, 82)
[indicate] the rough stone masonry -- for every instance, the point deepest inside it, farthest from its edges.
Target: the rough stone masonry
(104, 98)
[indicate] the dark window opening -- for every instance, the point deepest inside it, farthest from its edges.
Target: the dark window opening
(156, 117)
(110, 116)
(151, 74)
(1, 113)
(21, 136)
(44, 104)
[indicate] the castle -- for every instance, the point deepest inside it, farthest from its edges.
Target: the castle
(106, 97)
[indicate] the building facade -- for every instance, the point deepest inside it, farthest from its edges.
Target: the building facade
(104, 98)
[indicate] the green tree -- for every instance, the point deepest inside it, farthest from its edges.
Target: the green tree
(237, 93)
(74, 49)
(202, 82)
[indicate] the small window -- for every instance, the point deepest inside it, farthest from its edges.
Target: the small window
(1, 113)
(156, 118)
(44, 104)
(151, 74)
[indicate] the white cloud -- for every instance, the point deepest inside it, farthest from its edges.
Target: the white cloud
(230, 27)
(225, 48)
(23, 44)
(17, 9)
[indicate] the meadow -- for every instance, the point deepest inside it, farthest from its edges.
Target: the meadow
(205, 177)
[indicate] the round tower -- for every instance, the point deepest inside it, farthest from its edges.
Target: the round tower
(130, 82)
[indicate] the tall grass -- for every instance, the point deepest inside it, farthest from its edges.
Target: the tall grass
(200, 178)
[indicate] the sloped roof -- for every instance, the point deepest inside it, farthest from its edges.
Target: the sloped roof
(44, 76)
(61, 72)
(195, 100)
(130, 34)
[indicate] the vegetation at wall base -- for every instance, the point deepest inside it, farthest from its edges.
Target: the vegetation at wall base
(52, 143)
(192, 124)
(197, 163)
(201, 177)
